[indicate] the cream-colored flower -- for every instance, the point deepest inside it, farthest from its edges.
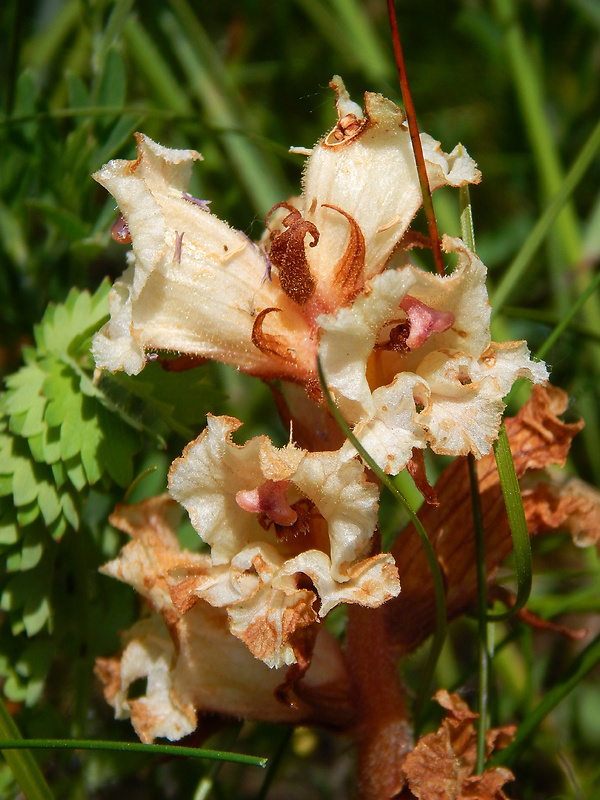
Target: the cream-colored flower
(290, 535)
(196, 286)
(411, 362)
(192, 663)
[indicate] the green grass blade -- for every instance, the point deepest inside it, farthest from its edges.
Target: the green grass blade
(365, 41)
(518, 523)
(130, 747)
(531, 100)
(581, 666)
(155, 68)
(468, 236)
(261, 179)
(436, 573)
(565, 322)
(542, 228)
(22, 764)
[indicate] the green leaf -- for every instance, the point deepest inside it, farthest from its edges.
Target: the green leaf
(69, 509)
(32, 548)
(28, 514)
(37, 613)
(117, 447)
(76, 473)
(48, 501)
(74, 321)
(9, 532)
(111, 90)
(24, 483)
(69, 225)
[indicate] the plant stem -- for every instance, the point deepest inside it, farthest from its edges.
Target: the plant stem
(23, 765)
(416, 142)
(383, 734)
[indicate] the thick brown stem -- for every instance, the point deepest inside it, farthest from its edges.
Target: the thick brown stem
(383, 734)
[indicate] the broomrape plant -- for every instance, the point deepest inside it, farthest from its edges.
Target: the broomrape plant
(407, 357)
(270, 580)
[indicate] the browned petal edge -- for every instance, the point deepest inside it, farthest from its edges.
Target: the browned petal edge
(348, 274)
(153, 522)
(537, 439)
(441, 763)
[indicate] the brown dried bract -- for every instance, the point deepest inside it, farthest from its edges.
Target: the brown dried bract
(440, 766)
(538, 439)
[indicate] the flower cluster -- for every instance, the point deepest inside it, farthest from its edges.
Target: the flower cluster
(407, 356)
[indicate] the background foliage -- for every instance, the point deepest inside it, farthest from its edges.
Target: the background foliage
(517, 83)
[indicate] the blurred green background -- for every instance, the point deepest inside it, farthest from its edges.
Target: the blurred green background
(518, 83)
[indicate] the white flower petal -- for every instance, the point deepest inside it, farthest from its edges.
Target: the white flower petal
(196, 286)
(371, 175)
(392, 433)
(349, 338)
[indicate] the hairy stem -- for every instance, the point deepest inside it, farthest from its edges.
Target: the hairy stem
(383, 734)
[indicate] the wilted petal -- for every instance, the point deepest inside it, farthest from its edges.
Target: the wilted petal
(370, 583)
(195, 285)
(191, 661)
(278, 572)
(211, 472)
(348, 340)
(441, 763)
(391, 435)
(434, 331)
(148, 654)
(366, 168)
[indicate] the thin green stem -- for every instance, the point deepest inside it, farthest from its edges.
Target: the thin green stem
(436, 573)
(131, 747)
(564, 323)
(468, 236)
(518, 524)
(483, 655)
(416, 142)
(543, 226)
(23, 765)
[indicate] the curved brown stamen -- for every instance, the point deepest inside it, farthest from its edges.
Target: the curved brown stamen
(289, 256)
(294, 213)
(265, 342)
(349, 269)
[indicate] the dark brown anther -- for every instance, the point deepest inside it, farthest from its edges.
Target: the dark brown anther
(398, 338)
(346, 127)
(119, 230)
(287, 253)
